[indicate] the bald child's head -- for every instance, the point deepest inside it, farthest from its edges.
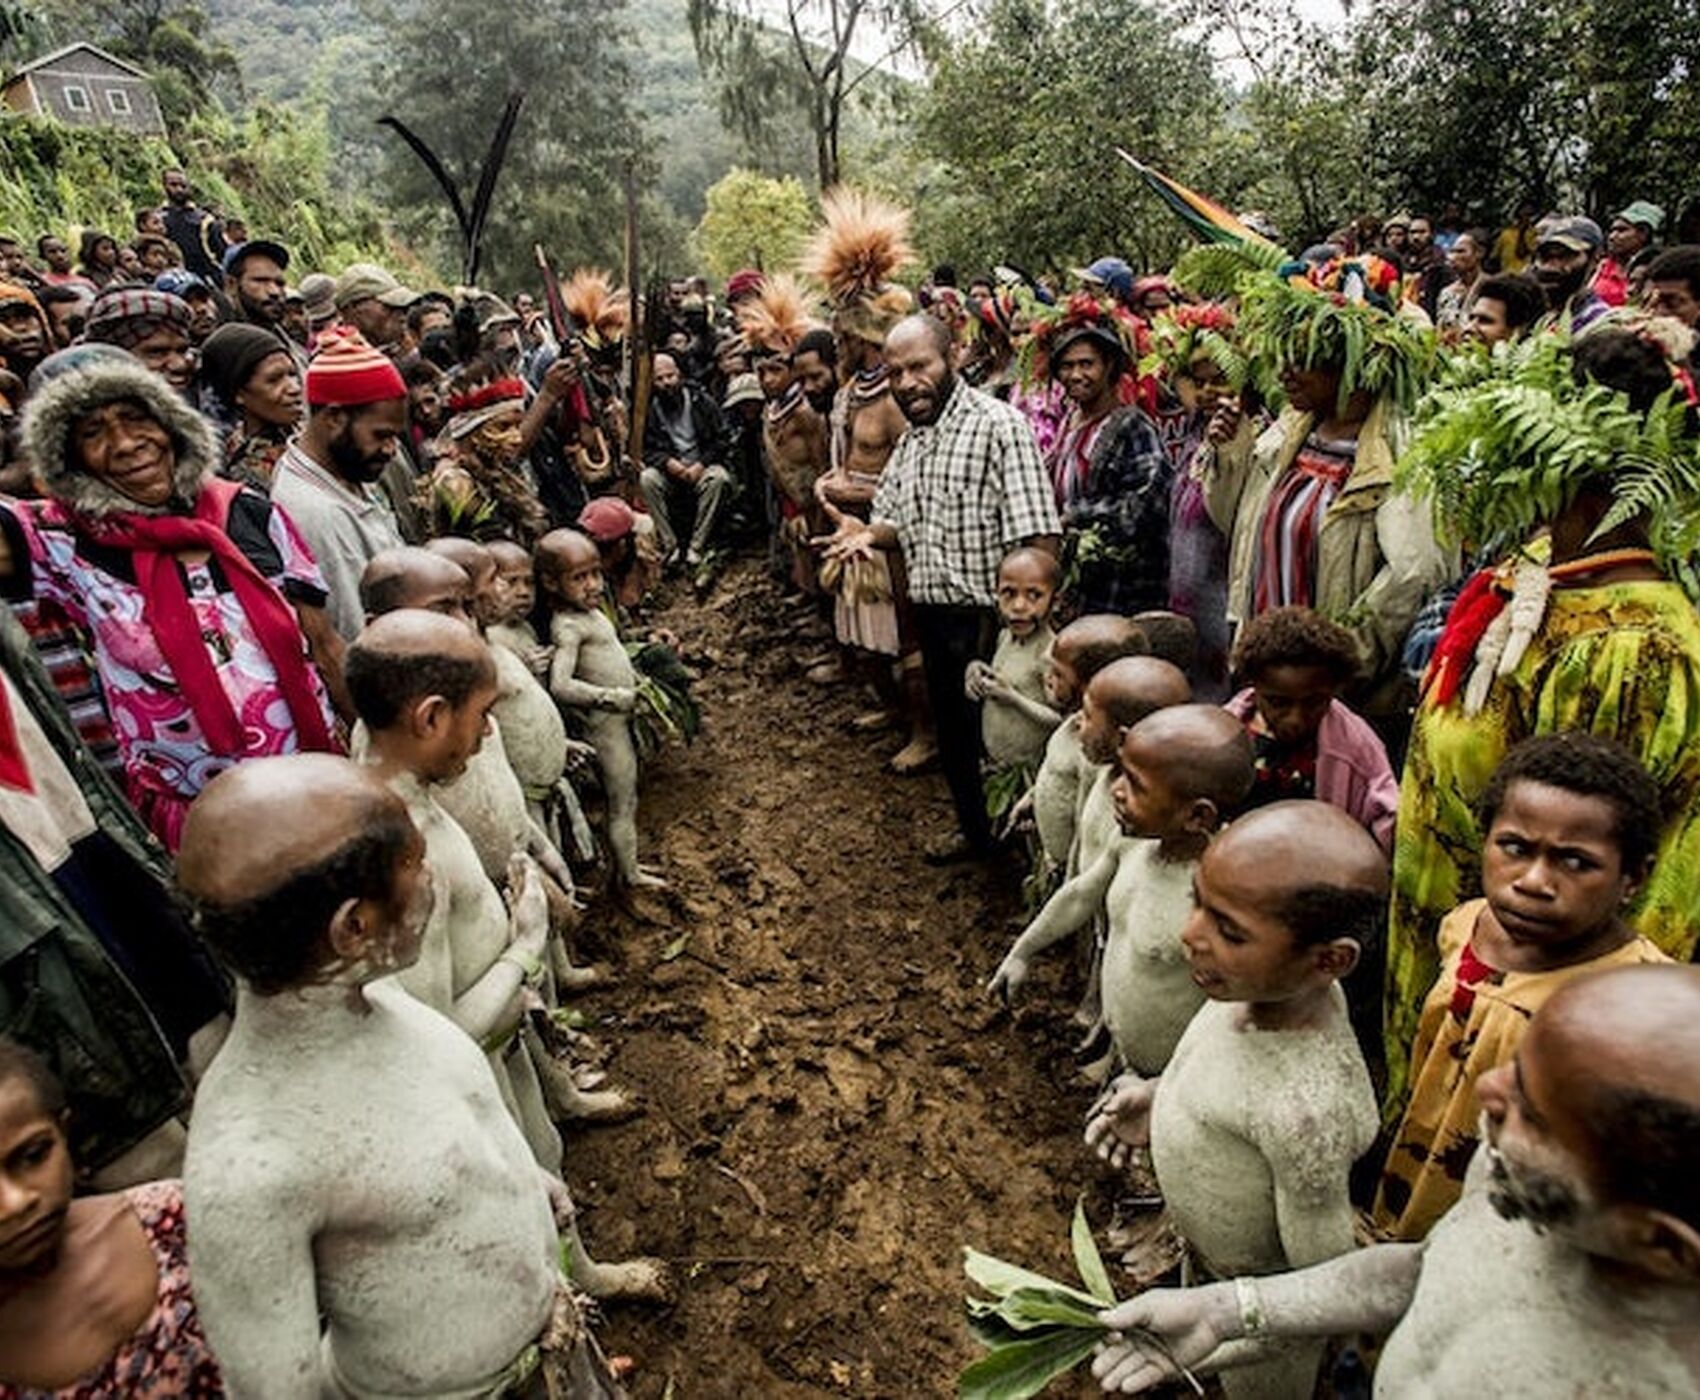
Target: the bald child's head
(489, 601)
(1083, 648)
(1121, 695)
(1288, 897)
(301, 867)
(410, 577)
(1182, 771)
(423, 685)
(569, 569)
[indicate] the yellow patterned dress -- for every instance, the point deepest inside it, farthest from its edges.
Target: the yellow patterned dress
(1620, 660)
(1472, 1021)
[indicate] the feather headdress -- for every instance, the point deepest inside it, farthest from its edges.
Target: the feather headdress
(602, 314)
(862, 244)
(777, 317)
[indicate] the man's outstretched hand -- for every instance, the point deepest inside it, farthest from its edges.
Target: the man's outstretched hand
(1190, 1323)
(853, 539)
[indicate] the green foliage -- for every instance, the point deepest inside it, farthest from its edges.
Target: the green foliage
(1024, 112)
(1381, 354)
(1034, 1328)
(751, 219)
(1509, 439)
(271, 169)
(1589, 104)
(1215, 270)
(775, 77)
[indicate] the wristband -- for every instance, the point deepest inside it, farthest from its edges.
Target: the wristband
(1253, 1321)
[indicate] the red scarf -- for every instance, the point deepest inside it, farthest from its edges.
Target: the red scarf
(14, 767)
(155, 541)
(1478, 603)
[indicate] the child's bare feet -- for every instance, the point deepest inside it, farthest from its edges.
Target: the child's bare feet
(916, 756)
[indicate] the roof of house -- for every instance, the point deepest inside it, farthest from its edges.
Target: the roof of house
(48, 59)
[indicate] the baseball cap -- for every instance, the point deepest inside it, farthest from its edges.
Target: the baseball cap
(180, 282)
(1643, 212)
(1111, 273)
(318, 292)
(364, 281)
(1577, 232)
(235, 256)
(744, 388)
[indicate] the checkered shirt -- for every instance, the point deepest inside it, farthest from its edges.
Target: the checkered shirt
(961, 492)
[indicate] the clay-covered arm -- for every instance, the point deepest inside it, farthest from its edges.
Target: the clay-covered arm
(1067, 910)
(1203, 1328)
(1036, 710)
(569, 690)
(486, 1008)
(251, 1256)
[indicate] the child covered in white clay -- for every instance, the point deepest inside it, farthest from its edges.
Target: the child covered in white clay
(423, 684)
(1016, 716)
(1120, 695)
(1266, 1104)
(592, 676)
(1180, 772)
(512, 627)
(1081, 650)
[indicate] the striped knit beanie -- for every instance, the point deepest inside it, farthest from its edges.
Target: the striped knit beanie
(346, 372)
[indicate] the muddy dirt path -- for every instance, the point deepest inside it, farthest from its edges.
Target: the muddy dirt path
(834, 1106)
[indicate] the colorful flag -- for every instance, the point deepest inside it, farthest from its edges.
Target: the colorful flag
(1207, 219)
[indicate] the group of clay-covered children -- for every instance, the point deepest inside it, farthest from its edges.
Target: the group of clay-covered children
(465, 712)
(1224, 870)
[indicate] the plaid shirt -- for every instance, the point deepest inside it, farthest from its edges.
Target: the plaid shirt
(961, 492)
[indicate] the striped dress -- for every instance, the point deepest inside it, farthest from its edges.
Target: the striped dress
(1284, 572)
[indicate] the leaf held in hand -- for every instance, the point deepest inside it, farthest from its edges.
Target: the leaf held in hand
(1087, 1259)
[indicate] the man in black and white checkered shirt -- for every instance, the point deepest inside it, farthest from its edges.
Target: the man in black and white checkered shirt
(964, 486)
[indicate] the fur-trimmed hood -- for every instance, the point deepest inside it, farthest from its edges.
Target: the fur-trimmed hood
(54, 409)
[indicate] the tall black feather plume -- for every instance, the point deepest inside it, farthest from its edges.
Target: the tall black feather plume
(486, 191)
(428, 158)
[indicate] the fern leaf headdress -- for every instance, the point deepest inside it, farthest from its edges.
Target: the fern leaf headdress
(1338, 316)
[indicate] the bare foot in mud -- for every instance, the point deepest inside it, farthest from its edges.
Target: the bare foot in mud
(635, 1281)
(919, 754)
(873, 722)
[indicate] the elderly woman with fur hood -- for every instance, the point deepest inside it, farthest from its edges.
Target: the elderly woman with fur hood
(201, 606)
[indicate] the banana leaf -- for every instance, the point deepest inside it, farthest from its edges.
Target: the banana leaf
(1024, 1368)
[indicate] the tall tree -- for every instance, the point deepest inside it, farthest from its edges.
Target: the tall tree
(1590, 104)
(448, 71)
(806, 72)
(1025, 114)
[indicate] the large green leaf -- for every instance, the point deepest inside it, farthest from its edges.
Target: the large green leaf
(999, 1278)
(1087, 1259)
(1026, 1308)
(1022, 1369)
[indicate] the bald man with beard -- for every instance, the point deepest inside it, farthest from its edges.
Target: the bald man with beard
(1570, 1267)
(368, 1220)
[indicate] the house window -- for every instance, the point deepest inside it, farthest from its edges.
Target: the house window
(77, 98)
(118, 102)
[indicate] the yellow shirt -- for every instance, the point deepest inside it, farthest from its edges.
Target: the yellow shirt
(1514, 248)
(1437, 1137)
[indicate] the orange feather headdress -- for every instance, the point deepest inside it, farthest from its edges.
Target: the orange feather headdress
(863, 242)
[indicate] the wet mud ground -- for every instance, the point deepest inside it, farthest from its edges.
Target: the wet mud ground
(834, 1108)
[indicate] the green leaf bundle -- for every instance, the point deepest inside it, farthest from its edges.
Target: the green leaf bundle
(1508, 440)
(1288, 325)
(1034, 1328)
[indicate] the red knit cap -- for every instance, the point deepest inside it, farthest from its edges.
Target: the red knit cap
(346, 371)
